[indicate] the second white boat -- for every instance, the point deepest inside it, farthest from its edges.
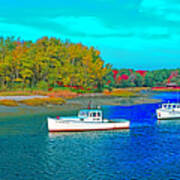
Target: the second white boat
(169, 111)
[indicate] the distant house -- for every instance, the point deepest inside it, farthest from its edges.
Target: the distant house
(171, 84)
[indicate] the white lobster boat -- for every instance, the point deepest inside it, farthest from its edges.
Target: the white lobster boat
(87, 120)
(169, 111)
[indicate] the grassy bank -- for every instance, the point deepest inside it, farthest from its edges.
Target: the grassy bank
(34, 102)
(8, 102)
(125, 92)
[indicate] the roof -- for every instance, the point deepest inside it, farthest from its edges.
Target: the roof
(90, 110)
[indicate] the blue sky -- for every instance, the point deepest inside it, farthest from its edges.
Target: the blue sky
(140, 34)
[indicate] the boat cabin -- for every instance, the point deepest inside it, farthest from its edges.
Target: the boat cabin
(94, 115)
(171, 106)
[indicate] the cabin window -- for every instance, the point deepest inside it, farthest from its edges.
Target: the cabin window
(174, 106)
(169, 106)
(165, 106)
(94, 114)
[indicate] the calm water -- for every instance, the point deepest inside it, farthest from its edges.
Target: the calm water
(149, 150)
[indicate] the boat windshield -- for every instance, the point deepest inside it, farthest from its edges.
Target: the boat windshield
(95, 114)
(171, 106)
(83, 113)
(165, 106)
(90, 113)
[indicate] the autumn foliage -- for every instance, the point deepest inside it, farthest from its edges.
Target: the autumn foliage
(49, 62)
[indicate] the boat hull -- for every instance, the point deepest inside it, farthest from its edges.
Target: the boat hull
(167, 115)
(58, 126)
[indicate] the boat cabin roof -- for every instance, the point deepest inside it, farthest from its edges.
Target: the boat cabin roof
(90, 110)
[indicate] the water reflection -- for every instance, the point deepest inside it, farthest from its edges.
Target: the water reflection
(172, 121)
(87, 133)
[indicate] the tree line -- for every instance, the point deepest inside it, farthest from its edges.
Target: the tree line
(48, 61)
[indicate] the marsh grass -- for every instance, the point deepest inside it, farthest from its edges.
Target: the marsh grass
(7, 102)
(124, 92)
(43, 101)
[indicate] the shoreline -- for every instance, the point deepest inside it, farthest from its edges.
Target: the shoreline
(71, 106)
(96, 99)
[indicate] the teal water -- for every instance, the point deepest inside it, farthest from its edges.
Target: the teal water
(149, 150)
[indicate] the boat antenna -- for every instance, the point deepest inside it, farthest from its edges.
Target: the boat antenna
(89, 104)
